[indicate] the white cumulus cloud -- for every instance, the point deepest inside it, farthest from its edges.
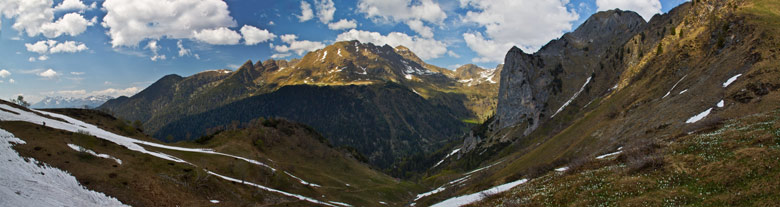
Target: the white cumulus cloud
(425, 48)
(116, 92)
(219, 36)
(645, 8)
(297, 46)
(44, 47)
(280, 55)
(528, 24)
(306, 12)
(50, 74)
(417, 26)
(412, 14)
(36, 17)
(73, 5)
(4, 73)
(325, 10)
(343, 24)
(68, 47)
(253, 35)
(130, 22)
(152, 45)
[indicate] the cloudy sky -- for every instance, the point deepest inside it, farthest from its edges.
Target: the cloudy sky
(118, 47)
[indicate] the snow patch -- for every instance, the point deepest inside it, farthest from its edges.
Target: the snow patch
(324, 56)
(270, 189)
(77, 126)
(340, 203)
(448, 155)
(561, 169)
(609, 154)
(482, 168)
(339, 53)
(28, 182)
(721, 104)
(214, 201)
(683, 91)
(93, 153)
(573, 97)
(699, 116)
(731, 80)
(364, 71)
(408, 77)
(674, 86)
(470, 198)
(302, 181)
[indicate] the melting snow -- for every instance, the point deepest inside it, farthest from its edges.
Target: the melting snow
(339, 53)
(482, 168)
(470, 198)
(270, 189)
(408, 77)
(699, 116)
(81, 149)
(74, 125)
(364, 70)
(731, 80)
(214, 201)
(27, 182)
(683, 91)
(301, 180)
(336, 70)
(609, 154)
(721, 104)
(340, 203)
(572, 98)
(674, 86)
(448, 155)
(324, 56)
(382, 202)
(561, 169)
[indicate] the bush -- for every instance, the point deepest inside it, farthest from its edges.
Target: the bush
(642, 155)
(579, 164)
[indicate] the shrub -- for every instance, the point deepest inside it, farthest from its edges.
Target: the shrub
(579, 164)
(641, 155)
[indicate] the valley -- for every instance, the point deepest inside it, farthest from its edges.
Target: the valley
(680, 109)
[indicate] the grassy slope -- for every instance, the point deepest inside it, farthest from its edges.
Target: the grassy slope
(622, 116)
(735, 163)
(143, 180)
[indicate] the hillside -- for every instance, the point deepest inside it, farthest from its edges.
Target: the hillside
(414, 107)
(385, 122)
(652, 82)
(269, 162)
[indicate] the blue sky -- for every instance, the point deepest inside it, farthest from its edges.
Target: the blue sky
(116, 47)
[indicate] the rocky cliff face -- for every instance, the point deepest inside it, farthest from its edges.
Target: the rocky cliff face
(537, 87)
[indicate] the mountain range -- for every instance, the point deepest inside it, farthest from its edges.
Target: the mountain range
(383, 101)
(680, 110)
(72, 102)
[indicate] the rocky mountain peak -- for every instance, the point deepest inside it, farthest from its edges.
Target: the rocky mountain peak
(468, 71)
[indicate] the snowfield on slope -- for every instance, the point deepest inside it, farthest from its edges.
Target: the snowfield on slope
(77, 126)
(27, 182)
(470, 198)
